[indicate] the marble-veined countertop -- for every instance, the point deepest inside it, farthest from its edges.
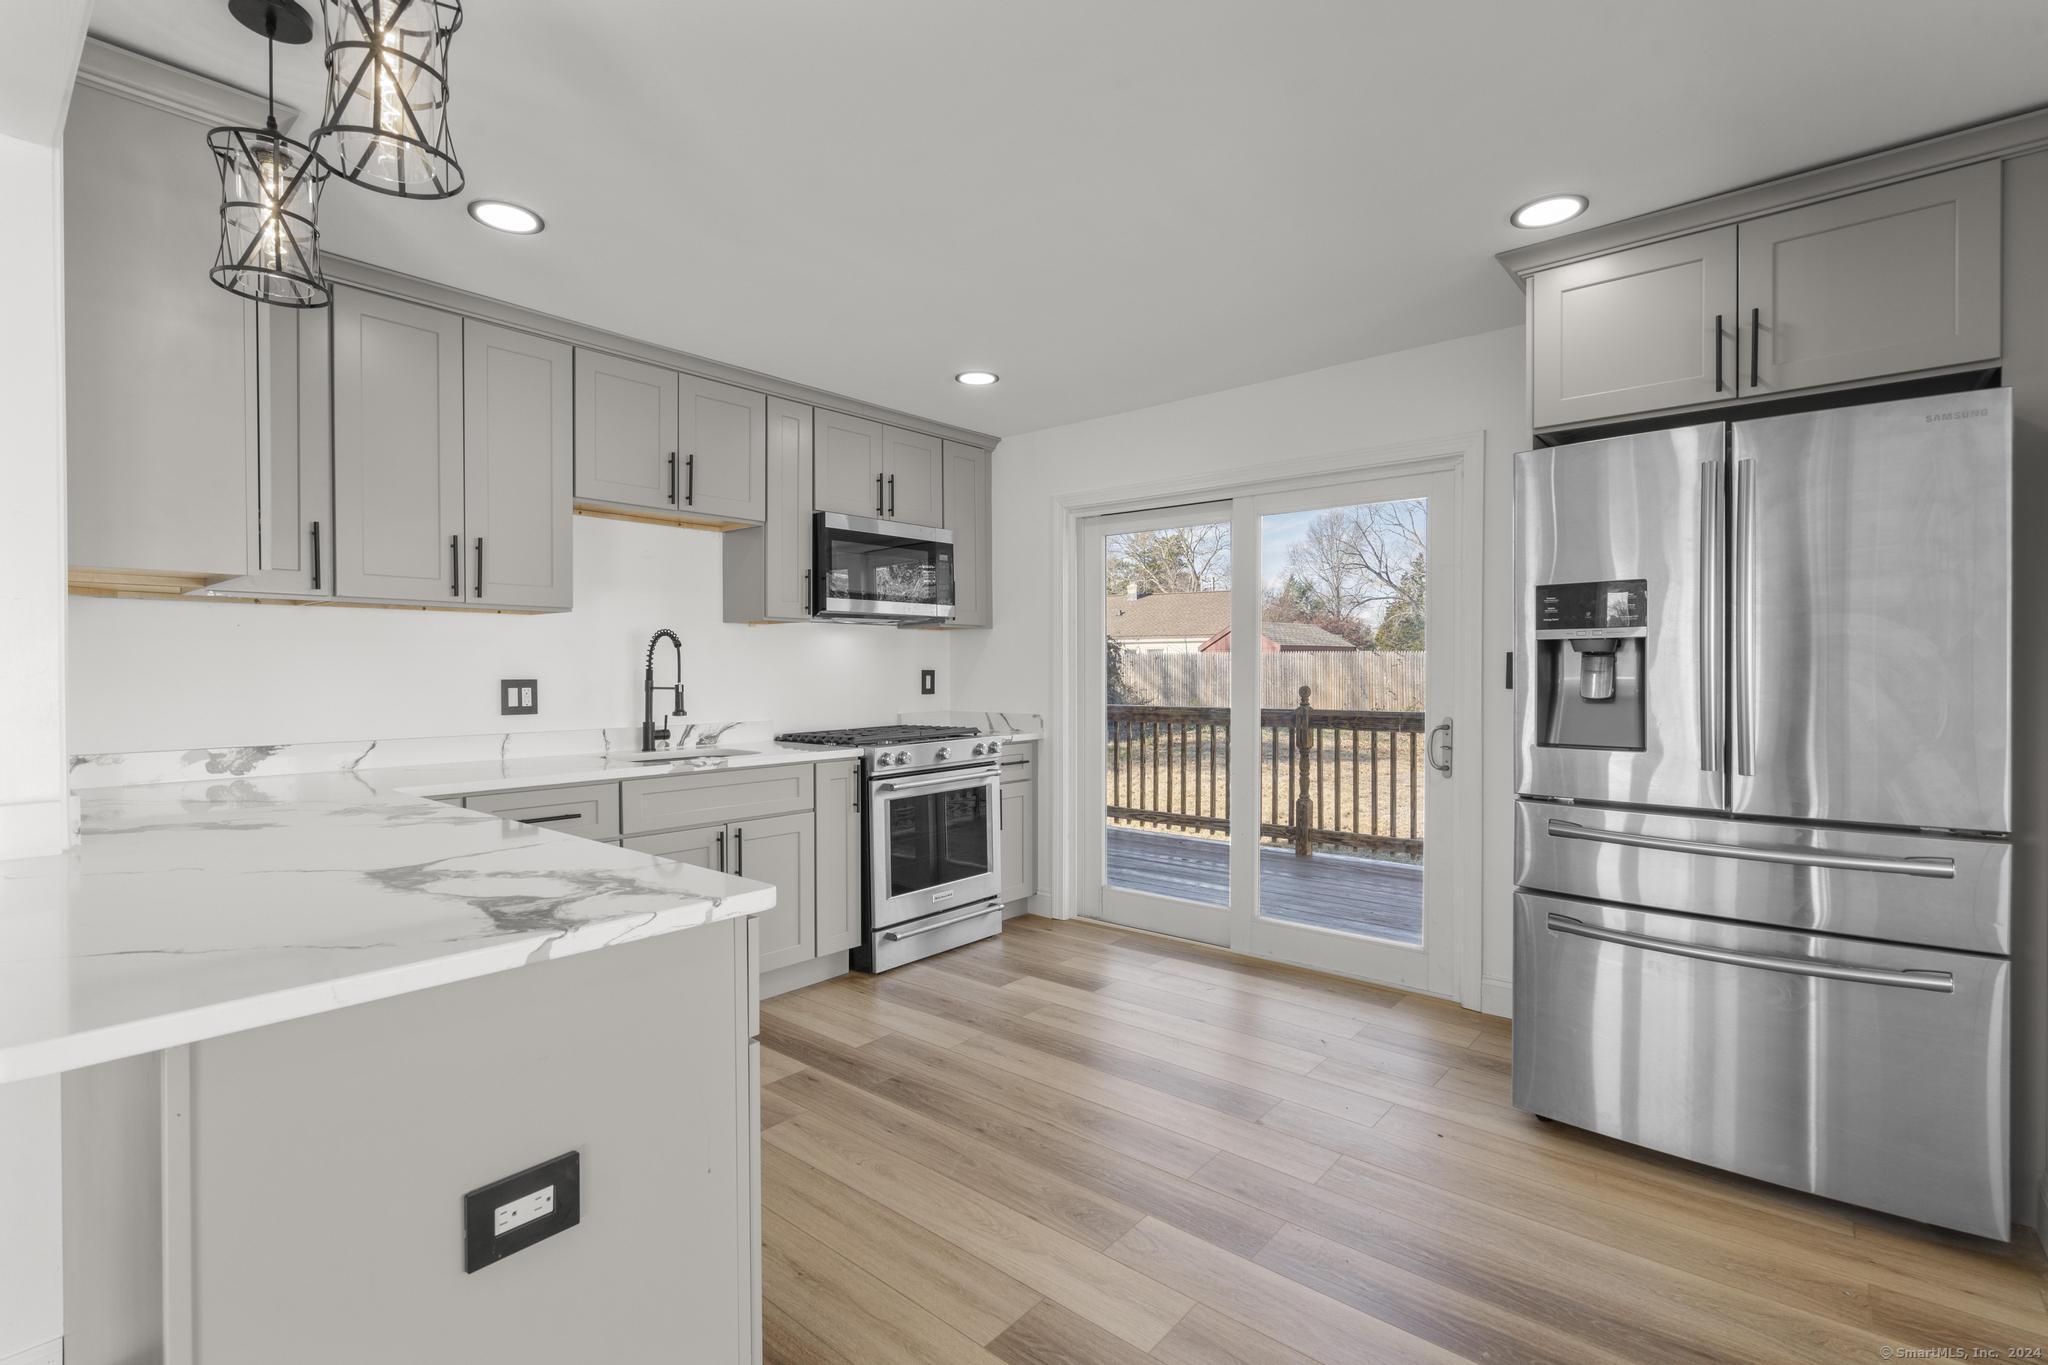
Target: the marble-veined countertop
(232, 900)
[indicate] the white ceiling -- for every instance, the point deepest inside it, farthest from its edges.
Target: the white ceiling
(1112, 203)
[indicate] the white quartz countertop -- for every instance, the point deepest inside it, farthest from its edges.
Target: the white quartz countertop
(192, 909)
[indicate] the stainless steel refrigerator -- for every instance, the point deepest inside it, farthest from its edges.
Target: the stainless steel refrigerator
(1762, 847)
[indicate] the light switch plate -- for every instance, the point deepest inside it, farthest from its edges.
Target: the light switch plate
(518, 697)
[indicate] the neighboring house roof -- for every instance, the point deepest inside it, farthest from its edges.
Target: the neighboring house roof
(1285, 637)
(1168, 616)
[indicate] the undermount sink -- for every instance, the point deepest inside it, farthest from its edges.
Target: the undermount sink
(681, 755)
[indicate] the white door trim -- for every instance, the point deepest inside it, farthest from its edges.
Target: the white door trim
(1461, 452)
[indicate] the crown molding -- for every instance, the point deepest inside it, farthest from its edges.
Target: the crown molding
(189, 95)
(1997, 140)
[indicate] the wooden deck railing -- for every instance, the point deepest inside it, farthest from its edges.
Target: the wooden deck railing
(1345, 779)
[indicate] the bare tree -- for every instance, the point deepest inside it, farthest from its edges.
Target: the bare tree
(1183, 559)
(1358, 571)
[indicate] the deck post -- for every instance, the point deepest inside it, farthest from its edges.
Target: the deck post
(1297, 772)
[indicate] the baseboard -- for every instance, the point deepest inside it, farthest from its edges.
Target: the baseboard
(49, 1353)
(1497, 997)
(2041, 1215)
(795, 977)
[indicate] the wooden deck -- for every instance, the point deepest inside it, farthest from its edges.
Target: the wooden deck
(1073, 1144)
(1333, 890)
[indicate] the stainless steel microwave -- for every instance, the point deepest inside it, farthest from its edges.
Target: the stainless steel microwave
(886, 572)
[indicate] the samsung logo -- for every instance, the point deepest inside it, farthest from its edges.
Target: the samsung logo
(1958, 416)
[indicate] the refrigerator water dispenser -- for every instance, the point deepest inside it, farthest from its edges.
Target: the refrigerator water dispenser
(1589, 663)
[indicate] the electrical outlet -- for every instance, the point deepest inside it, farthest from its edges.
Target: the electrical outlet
(510, 1215)
(518, 697)
(928, 681)
(523, 1210)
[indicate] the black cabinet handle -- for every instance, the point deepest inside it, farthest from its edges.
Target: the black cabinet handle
(739, 853)
(807, 592)
(479, 566)
(671, 478)
(316, 556)
(892, 495)
(551, 819)
(878, 495)
(690, 479)
(1756, 374)
(455, 566)
(1719, 384)
(720, 836)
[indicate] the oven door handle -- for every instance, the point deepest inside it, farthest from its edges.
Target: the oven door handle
(972, 912)
(969, 778)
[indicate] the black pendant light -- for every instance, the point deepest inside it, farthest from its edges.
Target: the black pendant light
(269, 187)
(385, 123)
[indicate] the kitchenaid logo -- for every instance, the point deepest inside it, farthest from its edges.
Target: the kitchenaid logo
(1961, 416)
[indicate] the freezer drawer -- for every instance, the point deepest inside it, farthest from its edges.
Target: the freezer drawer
(1866, 1072)
(1870, 571)
(1882, 884)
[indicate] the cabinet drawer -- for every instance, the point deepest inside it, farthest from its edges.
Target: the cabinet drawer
(1019, 762)
(591, 812)
(702, 847)
(660, 803)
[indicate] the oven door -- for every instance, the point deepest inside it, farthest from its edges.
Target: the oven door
(933, 843)
(881, 571)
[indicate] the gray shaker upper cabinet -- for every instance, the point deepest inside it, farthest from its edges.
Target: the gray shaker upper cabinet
(398, 451)
(162, 394)
(914, 469)
(292, 533)
(627, 451)
(1900, 278)
(849, 465)
(1638, 330)
(768, 567)
(723, 430)
(968, 517)
(518, 459)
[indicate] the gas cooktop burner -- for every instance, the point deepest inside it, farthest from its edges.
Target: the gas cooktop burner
(867, 736)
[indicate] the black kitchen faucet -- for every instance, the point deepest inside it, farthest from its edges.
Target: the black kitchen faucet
(648, 734)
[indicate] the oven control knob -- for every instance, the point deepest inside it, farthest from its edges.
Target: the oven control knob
(902, 757)
(942, 755)
(995, 746)
(980, 749)
(882, 760)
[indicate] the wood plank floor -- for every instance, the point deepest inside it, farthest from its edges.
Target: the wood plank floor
(1333, 890)
(1077, 1144)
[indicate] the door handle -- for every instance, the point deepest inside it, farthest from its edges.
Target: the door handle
(1429, 748)
(1719, 383)
(976, 912)
(1739, 637)
(1944, 868)
(720, 837)
(316, 556)
(671, 478)
(690, 479)
(479, 587)
(1769, 962)
(1756, 373)
(1707, 636)
(455, 566)
(892, 495)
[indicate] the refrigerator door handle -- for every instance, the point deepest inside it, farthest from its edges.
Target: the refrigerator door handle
(1708, 643)
(1739, 637)
(1795, 966)
(1944, 868)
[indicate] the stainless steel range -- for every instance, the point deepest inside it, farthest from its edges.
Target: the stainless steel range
(932, 846)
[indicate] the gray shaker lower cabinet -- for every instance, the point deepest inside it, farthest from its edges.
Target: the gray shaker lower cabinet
(783, 851)
(518, 468)
(1020, 840)
(970, 517)
(839, 855)
(398, 450)
(768, 567)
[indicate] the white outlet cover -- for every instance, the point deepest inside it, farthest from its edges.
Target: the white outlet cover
(526, 696)
(523, 1210)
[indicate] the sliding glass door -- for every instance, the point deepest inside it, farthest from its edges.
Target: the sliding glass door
(1264, 674)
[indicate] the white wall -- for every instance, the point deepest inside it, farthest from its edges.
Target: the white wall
(34, 818)
(1474, 383)
(166, 675)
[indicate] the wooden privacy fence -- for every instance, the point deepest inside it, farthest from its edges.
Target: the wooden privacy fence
(1333, 778)
(1346, 680)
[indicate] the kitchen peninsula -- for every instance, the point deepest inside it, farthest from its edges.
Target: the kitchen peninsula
(301, 1016)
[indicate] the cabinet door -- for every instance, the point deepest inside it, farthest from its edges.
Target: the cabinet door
(397, 449)
(782, 851)
(914, 471)
(790, 473)
(704, 847)
(292, 534)
(1020, 841)
(849, 476)
(968, 517)
(626, 449)
(839, 884)
(518, 466)
(725, 449)
(1901, 278)
(161, 403)
(1634, 331)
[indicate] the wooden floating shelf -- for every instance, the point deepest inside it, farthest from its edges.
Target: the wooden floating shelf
(685, 520)
(156, 586)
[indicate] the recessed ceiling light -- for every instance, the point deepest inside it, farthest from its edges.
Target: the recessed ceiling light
(1549, 211)
(976, 378)
(496, 213)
